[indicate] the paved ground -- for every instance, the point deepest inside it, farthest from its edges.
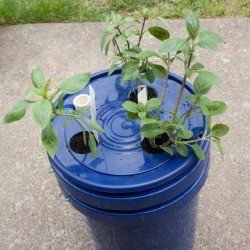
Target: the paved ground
(32, 214)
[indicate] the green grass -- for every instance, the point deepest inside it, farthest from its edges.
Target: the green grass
(35, 11)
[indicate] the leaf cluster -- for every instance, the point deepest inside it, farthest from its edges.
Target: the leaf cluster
(44, 109)
(125, 36)
(136, 64)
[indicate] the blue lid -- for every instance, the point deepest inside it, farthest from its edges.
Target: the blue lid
(122, 165)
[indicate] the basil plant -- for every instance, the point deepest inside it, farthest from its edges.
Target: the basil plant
(42, 99)
(123, 38)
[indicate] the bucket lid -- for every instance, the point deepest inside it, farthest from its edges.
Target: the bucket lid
(122, 165)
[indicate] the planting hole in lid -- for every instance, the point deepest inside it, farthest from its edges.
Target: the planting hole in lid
(77, 143)
(151, 92)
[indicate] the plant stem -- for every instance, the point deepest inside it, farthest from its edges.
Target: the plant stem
(53, 95)
(186, 114)
(164, 87)
(70, 115)
(152, 143)
(182, 88)
(83, 131)
(83, 127)
(203, 138)
(117, 46)
(121, 34)
(142, 28)
(196, 140)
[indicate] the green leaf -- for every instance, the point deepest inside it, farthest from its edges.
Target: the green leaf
(214, 108)
(112, 68)
(143, 68)
(185, 134)
(136, 48)
(142, 114)
(113, 17)
(178, 58)
(158, 70)
(54, 108)
(149, 120)
(130, 106)
(209, 122)
(83, 112)
(145, 11)
(141, 106)
(192, 24)
(218, 143)
(197, 66)
(209, 77)
(189, 72)
(130, 70)
(150, 75)
(74, 83)
(67, 122)
(132, 52)
(92, 145)
(130, 66)
(167, 150)
(204, 81)
(94, 125)
(41, 112)
(203, 100)
(190, 97)
(164, 22)
(207, 35)
(187, 55)
(152, 104)
(107, 48)
(37, 77)
(46, 87)
(173, 45)
(219, 130)
(182, 149)
(103, 41)
(208, 46)
(159, 33)
(198, 151)
(60, 102)
(201, 85)
(72, 112)
(63, 112)
(209, 40)
(136, 32)
(130, 19)
(144, 54)
(17, 112)
(34, 91)
(151, 131)
(132, 116)
(49, 139)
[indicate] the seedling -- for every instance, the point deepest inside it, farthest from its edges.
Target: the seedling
(138, 64)
(44, 109)
(125, 37)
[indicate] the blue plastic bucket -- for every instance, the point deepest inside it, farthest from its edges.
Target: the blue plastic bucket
(132, 199)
